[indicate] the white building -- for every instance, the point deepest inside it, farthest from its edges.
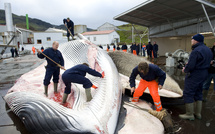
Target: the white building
(46, 38)
(107, 26)
(103, 37)
(80, 29)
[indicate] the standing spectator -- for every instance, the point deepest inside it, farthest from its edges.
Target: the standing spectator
(196, 72)
(70, 27)
(33, 49)
(137, 49)
(12, 51)
(16, 52)
(108, 48)
(131, 48)
(124, 47)
(149, 48)
(42, 49)
(211, 75)
(18, 44)
(114, 47)
(143, 49)
(155, 49)
(134, 48)
(118, 48)
(52, 69)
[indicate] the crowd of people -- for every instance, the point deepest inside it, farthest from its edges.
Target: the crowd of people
(148, 50)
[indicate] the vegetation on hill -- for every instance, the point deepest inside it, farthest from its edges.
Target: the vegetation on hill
(20, 21)
(125, 32)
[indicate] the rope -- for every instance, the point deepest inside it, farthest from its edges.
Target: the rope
(135, 106)
(158, 114)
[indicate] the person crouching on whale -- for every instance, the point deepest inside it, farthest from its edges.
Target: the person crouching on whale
(77, 74)
(148, 73)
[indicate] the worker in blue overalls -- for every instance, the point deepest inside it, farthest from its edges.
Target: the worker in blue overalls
(77, 74)
(196, 72)
(70, 27)
(52, 69)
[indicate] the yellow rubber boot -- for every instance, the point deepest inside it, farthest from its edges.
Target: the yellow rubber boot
(198, 109)
(189, 112)
(55, 87)
(64, 98)
(46, 90)
(88, 94)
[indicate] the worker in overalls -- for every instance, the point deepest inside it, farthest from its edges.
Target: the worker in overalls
(52, 69)
(70, 27)
(77, 74)
(148, 73)
(196, 72)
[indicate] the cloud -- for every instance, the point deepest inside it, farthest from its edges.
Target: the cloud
(92, 13)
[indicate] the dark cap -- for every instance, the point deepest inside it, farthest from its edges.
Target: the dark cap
(198, 37)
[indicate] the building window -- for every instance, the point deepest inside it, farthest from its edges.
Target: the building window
(39, 41)
(88, 38)
(94, 38)
(48, 38)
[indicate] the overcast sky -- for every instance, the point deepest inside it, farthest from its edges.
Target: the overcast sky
(92, 13)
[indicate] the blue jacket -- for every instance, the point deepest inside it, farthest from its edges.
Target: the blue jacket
(199, 59)
(69, 24)
(81, 69)
(149, 47)
(137, 49)
(124, 47)
(55, 55)
(154, 73)
(155, 48)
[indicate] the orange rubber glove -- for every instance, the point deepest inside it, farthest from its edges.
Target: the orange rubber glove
(103, 74)
(93, 86)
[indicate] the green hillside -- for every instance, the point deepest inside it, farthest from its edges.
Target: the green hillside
(125, 33)
(20, 21)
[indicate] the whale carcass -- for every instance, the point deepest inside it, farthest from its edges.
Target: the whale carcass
(125, 62)
(43, 115)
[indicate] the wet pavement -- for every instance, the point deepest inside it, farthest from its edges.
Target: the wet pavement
(12, 69)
